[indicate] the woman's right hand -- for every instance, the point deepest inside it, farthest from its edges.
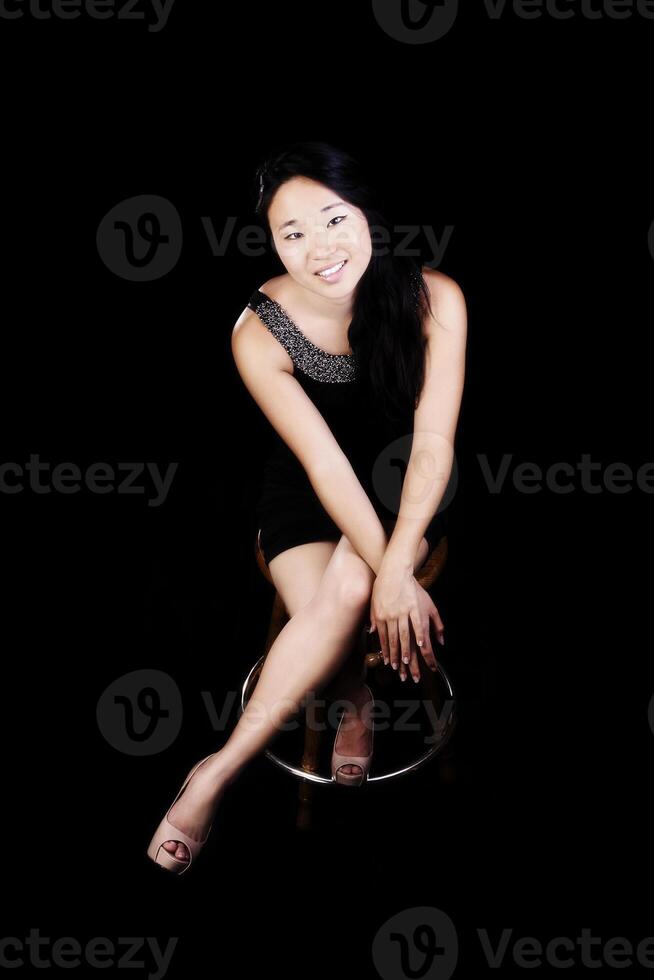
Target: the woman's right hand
(427, 613)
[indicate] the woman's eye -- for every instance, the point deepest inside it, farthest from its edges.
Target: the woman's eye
(337, 217)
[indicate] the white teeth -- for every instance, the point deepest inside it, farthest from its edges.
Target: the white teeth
(334, 268)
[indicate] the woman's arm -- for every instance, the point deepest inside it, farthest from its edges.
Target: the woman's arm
(397, 601)
(265, 369)
(435, 420)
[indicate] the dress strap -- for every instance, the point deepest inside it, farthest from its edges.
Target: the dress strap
(311, 360)
(416, 283)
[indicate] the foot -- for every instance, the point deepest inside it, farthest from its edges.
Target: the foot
(194, 811)
(356, 730)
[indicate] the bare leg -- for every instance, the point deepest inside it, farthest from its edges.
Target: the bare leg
(348, 682)
(348, 685)
(308, 651)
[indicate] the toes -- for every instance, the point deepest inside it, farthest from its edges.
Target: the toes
(177, 849)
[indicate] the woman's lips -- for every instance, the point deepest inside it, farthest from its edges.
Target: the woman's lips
(335, 276)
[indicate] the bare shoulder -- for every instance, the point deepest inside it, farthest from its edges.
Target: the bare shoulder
(276, 286)
(254, 346)
(447, 302)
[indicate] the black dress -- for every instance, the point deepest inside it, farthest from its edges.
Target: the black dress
(288, 511)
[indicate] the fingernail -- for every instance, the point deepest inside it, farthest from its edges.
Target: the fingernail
(441, 639)
(416, 679)
(405, 659)
(419, 643)
(395, 666)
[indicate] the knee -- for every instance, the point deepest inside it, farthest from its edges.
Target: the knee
(346, 586)
(355, 588)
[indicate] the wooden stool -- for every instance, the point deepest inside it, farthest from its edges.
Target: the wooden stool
(308, 771)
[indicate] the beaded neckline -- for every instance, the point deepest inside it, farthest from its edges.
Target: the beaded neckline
(291, 322)
(312, 360)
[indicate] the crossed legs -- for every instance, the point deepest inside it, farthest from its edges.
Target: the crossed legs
(326, 588)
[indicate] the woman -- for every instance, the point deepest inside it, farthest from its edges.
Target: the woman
(349, 352)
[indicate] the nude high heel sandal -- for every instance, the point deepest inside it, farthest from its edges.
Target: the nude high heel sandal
(168, 831)
(339, 760)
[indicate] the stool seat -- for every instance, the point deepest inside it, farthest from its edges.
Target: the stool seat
(429, 571)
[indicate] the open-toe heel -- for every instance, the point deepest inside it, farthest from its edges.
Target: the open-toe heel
(167, 831)
(363, 761)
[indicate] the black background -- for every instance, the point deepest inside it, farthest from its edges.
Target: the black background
(526, 137)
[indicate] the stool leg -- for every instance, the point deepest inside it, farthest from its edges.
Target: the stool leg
(278, 620)
(314, 718)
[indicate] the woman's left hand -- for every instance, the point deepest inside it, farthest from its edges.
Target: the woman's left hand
(397, 602)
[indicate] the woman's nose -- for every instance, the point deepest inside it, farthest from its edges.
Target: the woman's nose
(322, 245)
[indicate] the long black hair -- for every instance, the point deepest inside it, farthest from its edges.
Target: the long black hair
(386, 330)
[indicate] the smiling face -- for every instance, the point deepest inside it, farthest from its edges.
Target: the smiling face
(314, 229)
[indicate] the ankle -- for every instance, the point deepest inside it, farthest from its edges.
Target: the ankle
(224, 770)
(357, 692)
